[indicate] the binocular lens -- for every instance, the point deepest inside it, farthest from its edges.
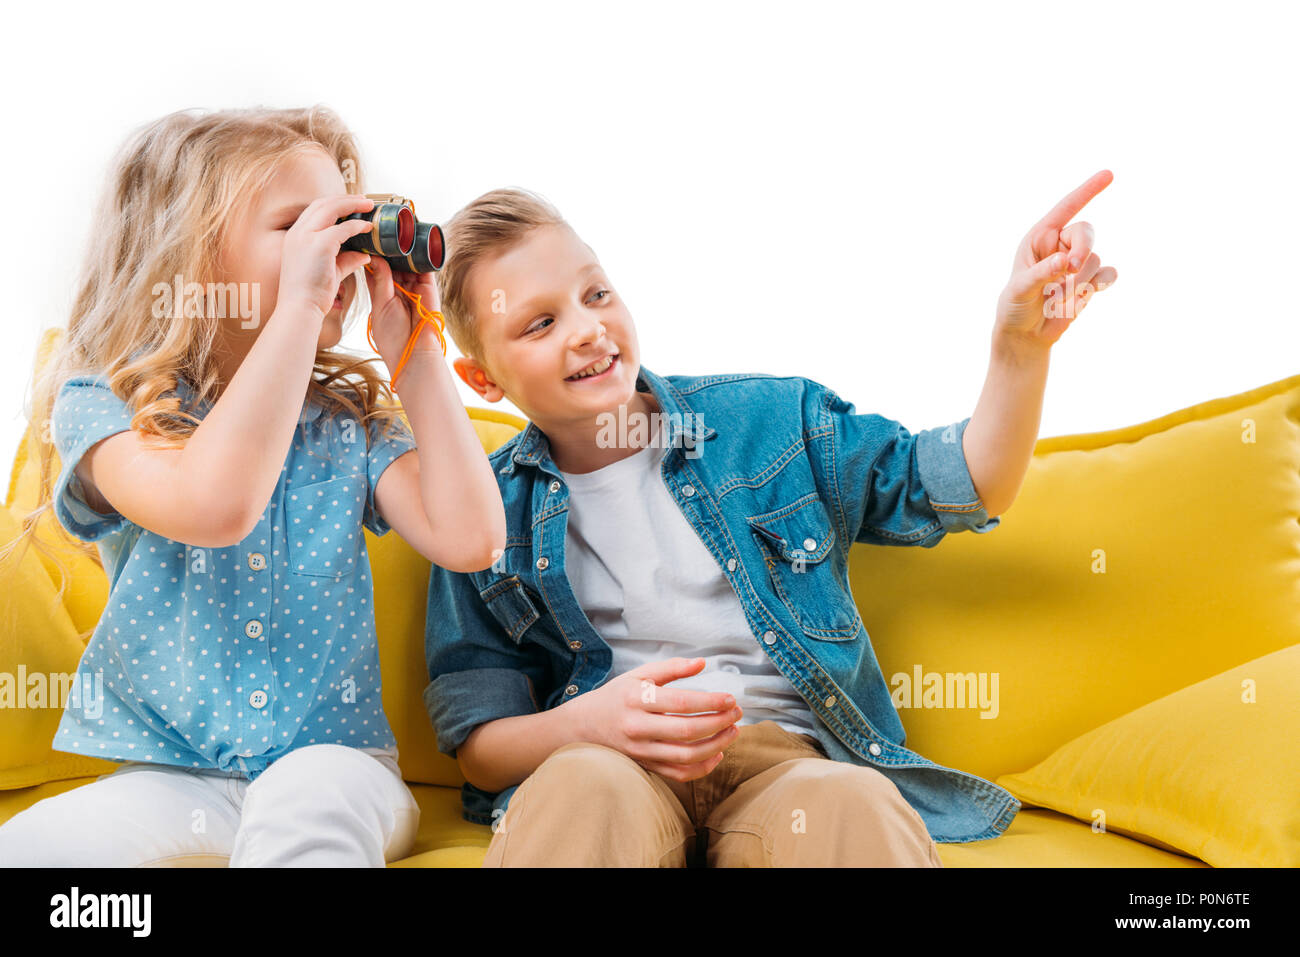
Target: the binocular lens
(426, 254)
(405, 229)
(392, 231)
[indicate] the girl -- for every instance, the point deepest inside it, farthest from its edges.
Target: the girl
(224, 458)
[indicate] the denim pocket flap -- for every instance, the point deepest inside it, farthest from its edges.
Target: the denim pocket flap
(510, 605)
(800, 531)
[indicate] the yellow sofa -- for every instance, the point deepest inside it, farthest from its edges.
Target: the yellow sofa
(1135, 563)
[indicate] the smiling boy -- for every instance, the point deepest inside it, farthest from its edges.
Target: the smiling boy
(666, 665)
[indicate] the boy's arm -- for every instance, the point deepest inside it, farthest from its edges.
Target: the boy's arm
(484, 688)
(886, 485)
(501, 753)
(1054, 276)
(999, 442)
(443, 500)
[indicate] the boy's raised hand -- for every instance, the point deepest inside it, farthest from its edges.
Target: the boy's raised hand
(393, 316)
(676, 732)
(1055, 272)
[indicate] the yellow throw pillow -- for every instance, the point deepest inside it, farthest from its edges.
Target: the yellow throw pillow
(39, 653)
(1134, 562)
(1212, 770)
(401, 581)
(86, 590)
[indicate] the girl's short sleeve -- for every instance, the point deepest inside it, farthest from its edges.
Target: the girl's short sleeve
(85, 411)
(387, 442)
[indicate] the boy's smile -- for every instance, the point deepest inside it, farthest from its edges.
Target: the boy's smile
(560, 341)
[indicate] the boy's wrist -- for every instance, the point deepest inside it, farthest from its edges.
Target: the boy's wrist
(573, 720)
(1014, 349)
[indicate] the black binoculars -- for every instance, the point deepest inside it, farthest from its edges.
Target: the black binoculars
(407, 244)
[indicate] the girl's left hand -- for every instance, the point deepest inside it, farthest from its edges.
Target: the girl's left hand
(1055, 273)
(394, 317)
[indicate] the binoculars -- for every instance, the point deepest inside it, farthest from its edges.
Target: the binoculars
(407, 244)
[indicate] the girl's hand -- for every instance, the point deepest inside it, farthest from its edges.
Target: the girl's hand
(679, 733)
(1054, 274)
(311, 266)
(394, 317)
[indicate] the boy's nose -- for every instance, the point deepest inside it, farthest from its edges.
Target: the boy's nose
(588, 329)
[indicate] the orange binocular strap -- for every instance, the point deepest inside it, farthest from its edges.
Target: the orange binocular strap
(432, 318)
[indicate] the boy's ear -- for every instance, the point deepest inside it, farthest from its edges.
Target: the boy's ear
(474, 376)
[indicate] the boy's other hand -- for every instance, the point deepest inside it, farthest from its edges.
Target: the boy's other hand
(1054, 274)
(674, 732)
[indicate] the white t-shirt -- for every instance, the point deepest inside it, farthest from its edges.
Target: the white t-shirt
(652, 590)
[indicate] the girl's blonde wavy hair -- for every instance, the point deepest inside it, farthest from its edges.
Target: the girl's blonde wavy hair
(171, 195)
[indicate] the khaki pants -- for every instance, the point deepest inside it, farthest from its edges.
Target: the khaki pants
(775, 800)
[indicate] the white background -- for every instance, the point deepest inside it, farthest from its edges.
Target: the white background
(827, 190)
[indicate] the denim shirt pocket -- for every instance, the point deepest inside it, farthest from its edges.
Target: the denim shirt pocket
(510, 605)
(318, 527)
(798, 542)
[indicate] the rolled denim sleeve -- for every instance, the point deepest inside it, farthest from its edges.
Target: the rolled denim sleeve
(477, 672)
(895, 487)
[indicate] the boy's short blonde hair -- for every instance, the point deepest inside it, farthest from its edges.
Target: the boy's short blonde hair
(486, 227)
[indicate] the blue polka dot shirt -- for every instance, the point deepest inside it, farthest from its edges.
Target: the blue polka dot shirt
(229, 658)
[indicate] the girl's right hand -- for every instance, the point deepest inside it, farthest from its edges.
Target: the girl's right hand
(660, 728)
(311, 266)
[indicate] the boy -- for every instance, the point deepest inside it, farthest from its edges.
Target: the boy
(658, 526)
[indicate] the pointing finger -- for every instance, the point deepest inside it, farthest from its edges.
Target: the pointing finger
(1065, 210)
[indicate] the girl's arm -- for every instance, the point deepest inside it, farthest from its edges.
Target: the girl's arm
(212, 491)
(444, 499)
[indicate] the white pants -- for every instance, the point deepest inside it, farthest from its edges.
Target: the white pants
(324, 805)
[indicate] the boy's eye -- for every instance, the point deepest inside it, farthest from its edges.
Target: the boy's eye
(539, 325)
(600, 292)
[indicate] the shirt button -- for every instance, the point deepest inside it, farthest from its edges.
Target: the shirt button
(256, 561)
(731, 564)
(810, 544)
(769, 638)
(575, 644)
(542, 562)
(874, 749)
(555, 486)
(830, 702)
(253, 628)
(572, 689)
(258, 699)
(688, 490)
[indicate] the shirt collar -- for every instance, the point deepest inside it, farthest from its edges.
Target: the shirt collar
(681, 424)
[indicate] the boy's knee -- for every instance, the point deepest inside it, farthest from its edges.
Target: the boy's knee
(590, 774)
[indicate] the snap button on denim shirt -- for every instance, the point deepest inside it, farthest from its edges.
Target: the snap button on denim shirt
(779, 476)
(228, 658)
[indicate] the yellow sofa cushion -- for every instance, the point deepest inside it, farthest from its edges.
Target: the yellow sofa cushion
(401, 581)
(86, 590)
(1212, 770)
(39, 651)
(1133, 563)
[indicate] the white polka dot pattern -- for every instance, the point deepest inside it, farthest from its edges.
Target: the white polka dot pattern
(231, 657)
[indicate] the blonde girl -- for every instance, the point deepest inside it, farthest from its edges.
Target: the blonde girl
(224, 462)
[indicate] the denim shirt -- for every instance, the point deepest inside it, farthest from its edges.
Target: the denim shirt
(779, 477)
